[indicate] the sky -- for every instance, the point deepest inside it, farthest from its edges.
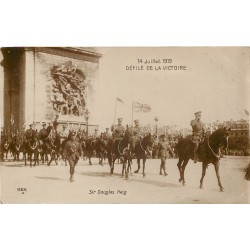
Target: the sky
(216, 82)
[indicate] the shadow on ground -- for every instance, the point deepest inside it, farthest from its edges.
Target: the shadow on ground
(98, 174)
(50, 178)
(157, 183)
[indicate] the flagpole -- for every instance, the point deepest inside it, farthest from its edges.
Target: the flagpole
(115, 110)
(132, 113)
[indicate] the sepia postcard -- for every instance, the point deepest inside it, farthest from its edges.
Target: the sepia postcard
(124, 125)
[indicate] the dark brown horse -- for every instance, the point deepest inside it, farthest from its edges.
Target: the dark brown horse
(142, 151)
(17, 147)
(209, 152)
(5, 147)
(30, 149)
(120, 149)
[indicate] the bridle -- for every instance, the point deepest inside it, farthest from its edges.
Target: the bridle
(216, 155)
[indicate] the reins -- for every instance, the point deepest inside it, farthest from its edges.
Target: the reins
(143, 148)
(32, 146)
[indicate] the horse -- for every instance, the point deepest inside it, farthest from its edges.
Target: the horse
(17, 147)
(30, 148)
(100, 148)
(247, 175)
(141, 151)
(89, 148)
(209, 152)
(120, 149)
(5, 146)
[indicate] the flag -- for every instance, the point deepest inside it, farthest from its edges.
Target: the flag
(12, 119)
(119, 100)
(138, 107)
(246, 112)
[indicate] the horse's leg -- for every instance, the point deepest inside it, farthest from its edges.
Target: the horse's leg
(126, 168)
(36, 155)
(25, 158)
(204, 168)
(123, 169)
(56, 157)
(143, 171)
(101, 159)
(216, 166)
(129, 166)
(51, 157)
(179, 164)
(89, 156)
(138, 164)
(113, 165)
(183, 171)
(30, 155)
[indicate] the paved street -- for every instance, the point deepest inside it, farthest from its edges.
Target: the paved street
(93, 184)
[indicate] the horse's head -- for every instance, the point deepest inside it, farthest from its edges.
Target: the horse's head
(220, 137)
(148, 140)
(128, 134)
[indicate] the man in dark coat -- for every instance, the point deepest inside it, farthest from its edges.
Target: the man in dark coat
(198, 132)
(164, 149)
(72, 152)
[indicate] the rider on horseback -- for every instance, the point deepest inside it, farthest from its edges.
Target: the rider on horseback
(136, 135)
(198, 132)
(118, 132)
(29, 133)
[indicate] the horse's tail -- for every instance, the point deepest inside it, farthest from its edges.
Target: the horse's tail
(247, 175)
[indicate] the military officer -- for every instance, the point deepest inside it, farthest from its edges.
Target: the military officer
(49, 128)
(95, 135)
(64, 133)
(164, 148)
(118, 130)
(29, 133)
(107, 135)
(136, 135)
(43, 132)
(72, 152)
(198, 132)
(117, 133)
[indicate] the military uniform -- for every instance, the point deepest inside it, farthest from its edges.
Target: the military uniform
(164, 148)
(107, 135)
(72, 152)
(118, 132)
(198, 131)
(43, 134)
(29, 133)
(95, 135)
(136, 134)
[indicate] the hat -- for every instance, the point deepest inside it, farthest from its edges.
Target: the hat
(31, 125)
(136, 120)
(96, 129)
(44, 124)
(197, 113)
(119, 119)
(64, 125)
